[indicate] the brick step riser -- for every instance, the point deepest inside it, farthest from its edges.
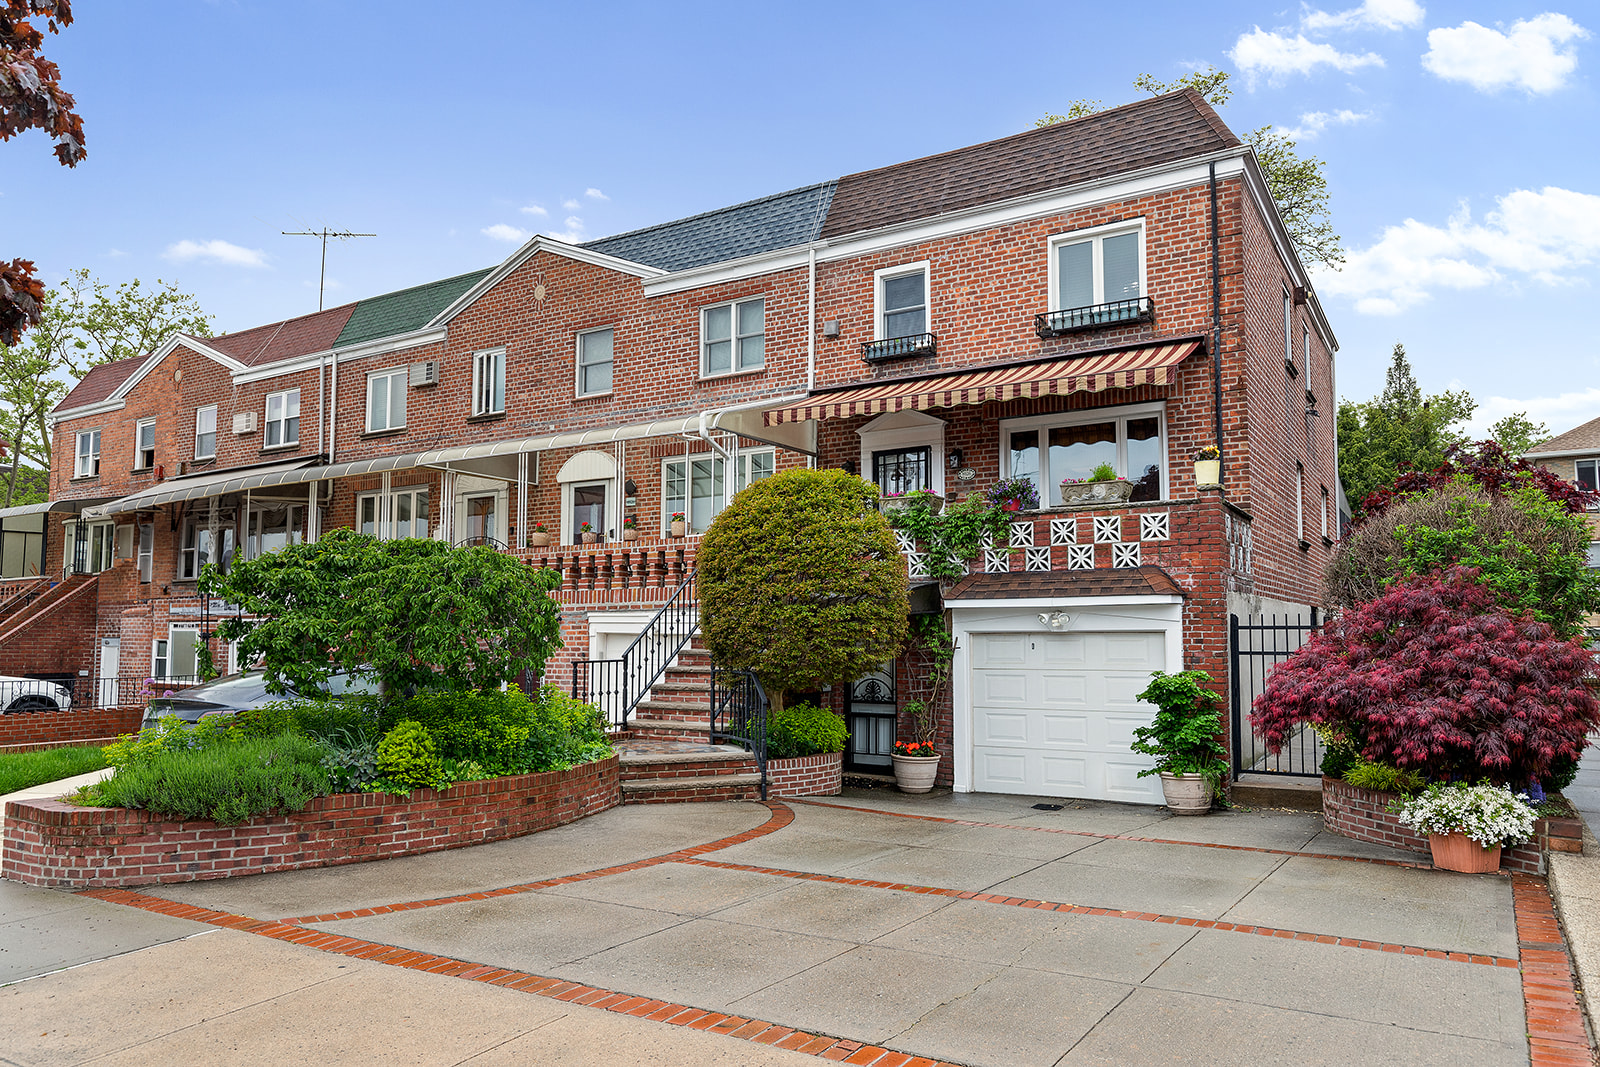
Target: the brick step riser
(667, 733)
(689, 796)
(663, 772)
(665, 715)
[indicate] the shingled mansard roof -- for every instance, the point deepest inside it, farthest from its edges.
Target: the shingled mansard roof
(1133, 137)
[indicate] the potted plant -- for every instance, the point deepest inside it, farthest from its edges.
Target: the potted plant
(587, 534)
(630, 528)
(539, 536)
(1013, 494)
(1101, 487)
(916, 761)
(676, 524)
(1467, 824)
(1183, 740)
(1208, 467)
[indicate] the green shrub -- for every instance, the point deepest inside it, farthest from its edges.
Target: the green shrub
(1383, 777)
(24, 770)
(408, 759)
(319, 718)
(506, 732)
(1563, 772)
(171, 734)
(227, 783)
(351, 760)
(804, 730)
(1183, 739)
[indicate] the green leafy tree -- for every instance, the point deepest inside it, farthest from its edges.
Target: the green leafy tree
(1516, 433)
(1297, 182)
(801, 582)
(1400, 429)
(411, 613)
(86, 322)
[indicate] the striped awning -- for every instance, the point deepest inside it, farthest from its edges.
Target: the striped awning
(1058, 377)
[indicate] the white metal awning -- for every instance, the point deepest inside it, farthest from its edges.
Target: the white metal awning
(51, 505)
(201, 486)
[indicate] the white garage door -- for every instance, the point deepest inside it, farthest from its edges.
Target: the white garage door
(1054, 714)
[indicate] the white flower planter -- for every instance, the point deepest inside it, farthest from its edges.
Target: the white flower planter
(1186, 794)
(915, 774)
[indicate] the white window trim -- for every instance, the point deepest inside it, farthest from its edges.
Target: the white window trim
(1096, 234)
(498, 355)
(404, 374)
(730, 478)
(197, 413)
(894, 437)
(1324, 511)
(138, 444)
(578, 364)
(1300, 501)
(383, 520)
(1288, 327)
(468, 487)
(900, 271)
(734, 336)
(93, 456)
(567, 535)
(172, 630)
(266, 419)
(1121, 412)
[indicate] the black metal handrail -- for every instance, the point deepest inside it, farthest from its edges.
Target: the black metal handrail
(1112, 313)
(482, 541)
(739, 714)
(617, 685)
(917, 344)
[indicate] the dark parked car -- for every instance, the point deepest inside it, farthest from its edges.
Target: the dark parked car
(234, 693)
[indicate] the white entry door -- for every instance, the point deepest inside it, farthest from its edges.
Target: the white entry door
(107, 695)
(1053, 714)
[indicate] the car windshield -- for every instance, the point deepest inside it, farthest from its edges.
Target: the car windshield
(229, 689)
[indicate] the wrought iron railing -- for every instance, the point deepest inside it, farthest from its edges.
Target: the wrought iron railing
(917, 344)
(617, 685)
(1257, 646)
(739, 714)
(1112, 313)
(85, 692)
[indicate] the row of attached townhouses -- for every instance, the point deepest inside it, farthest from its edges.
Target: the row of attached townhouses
(1118, 288)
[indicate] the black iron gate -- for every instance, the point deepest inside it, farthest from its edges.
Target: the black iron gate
(1256, 645)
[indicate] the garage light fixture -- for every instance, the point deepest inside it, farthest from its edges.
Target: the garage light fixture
(1056, 620)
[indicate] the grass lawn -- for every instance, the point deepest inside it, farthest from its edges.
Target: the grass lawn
(19, 770)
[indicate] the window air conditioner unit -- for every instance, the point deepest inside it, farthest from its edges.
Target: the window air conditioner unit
(425, 373)
(244, 422)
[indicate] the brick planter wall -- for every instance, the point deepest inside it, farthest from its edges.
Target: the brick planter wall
(49, 843)
(31, 729)
(1363, 815)
(806, 776)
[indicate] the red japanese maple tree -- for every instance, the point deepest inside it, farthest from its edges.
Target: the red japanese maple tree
(1436, 676)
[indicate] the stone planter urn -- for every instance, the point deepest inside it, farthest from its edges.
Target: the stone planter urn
(589, 537)
(1186, 794)
(539, 539)
(915, 774)
(1207, 473)
(630, 533)
(676, 528)
(1116, 491)
(1458, 852)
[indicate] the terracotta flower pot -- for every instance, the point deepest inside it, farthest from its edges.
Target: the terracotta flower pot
(1186, 794)
(1458, 852)
(915, 774)
(539, 539)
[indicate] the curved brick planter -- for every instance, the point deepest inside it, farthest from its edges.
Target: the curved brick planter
(806, 776)
(50, 843)
(1363, 815)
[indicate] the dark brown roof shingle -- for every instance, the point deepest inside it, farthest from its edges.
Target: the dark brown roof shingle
(100, 383)
(1138, 135)
(1128, 581)
(1576, 439)
(283, 340)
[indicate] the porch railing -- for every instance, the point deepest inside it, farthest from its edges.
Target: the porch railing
(617, 685)
(739, 714)
(616, 566)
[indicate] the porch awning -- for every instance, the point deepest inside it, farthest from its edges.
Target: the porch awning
(212, 483)
(43, 506)
(1072, 374)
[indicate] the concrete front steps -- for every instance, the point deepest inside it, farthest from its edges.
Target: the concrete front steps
(659, 772)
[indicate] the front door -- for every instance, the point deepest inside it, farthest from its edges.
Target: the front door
(869, 713)
(110, 666)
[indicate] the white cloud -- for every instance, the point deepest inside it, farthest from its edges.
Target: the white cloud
(1539, 236)
(216, 252)
(115, 253)
(1561, 413)
(1313, 123)
(1378, 14)
(1276, 55)
(595, 194)
(571, 205)
(509, 234)
(1526, 57)
(534, 209)
(574, 233)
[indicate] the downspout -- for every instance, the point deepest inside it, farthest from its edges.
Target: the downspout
(322, 366)
(1216, 328)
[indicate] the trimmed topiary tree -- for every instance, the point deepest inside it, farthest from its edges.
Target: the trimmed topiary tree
(801, 582)
(1437, 676)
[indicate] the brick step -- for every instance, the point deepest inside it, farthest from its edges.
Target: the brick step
(645, 761)
(673, 711)
(648, 729)
(681, 790)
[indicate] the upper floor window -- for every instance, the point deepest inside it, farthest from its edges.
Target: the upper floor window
(1102, 267)
(902, 301)
(283, 419)
(1587, 474)
(489, 382)
(205, 432)
(594, 362)
(1288, 330)
(88, 465)
(202, 545)
(144, 444)
(733, 337)
(386, 400)
(1050, 449)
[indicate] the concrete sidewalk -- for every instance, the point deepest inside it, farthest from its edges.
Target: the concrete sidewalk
(1575, 886)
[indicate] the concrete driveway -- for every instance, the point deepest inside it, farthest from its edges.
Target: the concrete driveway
(868, 928)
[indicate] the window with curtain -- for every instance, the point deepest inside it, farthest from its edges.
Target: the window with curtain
(1050, 449)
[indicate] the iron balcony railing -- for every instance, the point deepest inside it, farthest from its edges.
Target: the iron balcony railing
(617, 685)
(1114, 313)
(917, 344)
(739, 714)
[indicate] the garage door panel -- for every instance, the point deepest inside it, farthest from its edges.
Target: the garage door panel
(1122, 782)
(997, 727)
(1062, 690)
(1004, 769)
(1065, 774)
(1062, 650)
(1124, 651)
(1002, 687)
(1001, 650)
(1121, 690)
(1065, 730)
(1117, 730)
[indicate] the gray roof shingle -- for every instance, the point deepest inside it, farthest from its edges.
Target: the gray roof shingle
(1586, 436)
(778, 221)
(404, 311)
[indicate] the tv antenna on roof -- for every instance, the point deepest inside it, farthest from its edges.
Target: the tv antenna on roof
(324, 233)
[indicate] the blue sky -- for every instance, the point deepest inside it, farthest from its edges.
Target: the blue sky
(1460, 139)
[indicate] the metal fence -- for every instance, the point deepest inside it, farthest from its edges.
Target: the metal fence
(617, 685)
(1256, 646)
(85, 692)
(739, 714)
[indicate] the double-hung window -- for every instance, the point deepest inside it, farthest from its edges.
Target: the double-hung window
(403, 513)
(88, 465)
(489, 382)
(386, 400)
(698, 485)
(733, 337)
(283, 419)
(144, 444)
(1288, 332)
(200, 548)
(1098, 267)
(594, 362)
(205, 432)
(902, 302)
(1051, 449)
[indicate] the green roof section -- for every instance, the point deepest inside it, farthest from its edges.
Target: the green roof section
(404, 311)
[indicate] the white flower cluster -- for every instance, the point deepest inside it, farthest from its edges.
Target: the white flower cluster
(1489, 814)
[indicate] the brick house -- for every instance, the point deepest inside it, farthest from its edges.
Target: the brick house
(1575, 456)
(1118, 288)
